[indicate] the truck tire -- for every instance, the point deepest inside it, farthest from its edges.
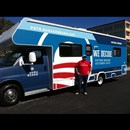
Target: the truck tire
(9, 95)
(100, 80)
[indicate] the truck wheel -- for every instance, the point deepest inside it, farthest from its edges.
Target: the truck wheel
(9, 94)
(100, 80)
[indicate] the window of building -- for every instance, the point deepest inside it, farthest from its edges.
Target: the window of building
(70, 50)
(127, 33)
(119, 34)
(119, 26)
(128, 40)
(108, 28)
(127, 25)
(99, 30)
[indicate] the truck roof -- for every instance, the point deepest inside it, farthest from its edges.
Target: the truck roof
(69, 27)
(74, 31)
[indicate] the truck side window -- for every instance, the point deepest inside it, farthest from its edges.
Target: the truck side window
(116, 52)
(70, 50)
(39, 57)
(88, 50)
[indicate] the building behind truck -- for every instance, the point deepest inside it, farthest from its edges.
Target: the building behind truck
(38, 56)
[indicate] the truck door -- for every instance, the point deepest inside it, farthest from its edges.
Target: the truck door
(37, 74)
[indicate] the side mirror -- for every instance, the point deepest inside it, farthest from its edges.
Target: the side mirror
(32, 57)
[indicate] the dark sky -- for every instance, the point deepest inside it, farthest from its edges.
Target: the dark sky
(80, 22)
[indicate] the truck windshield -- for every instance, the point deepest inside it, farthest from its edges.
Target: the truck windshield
(9, 57)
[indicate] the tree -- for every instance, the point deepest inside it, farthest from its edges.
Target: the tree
(5, 25)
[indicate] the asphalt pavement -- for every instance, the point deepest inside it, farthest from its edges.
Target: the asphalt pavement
(102, 106)
(113, 97)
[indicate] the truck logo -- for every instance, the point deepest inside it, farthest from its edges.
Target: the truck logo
(32, 73)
